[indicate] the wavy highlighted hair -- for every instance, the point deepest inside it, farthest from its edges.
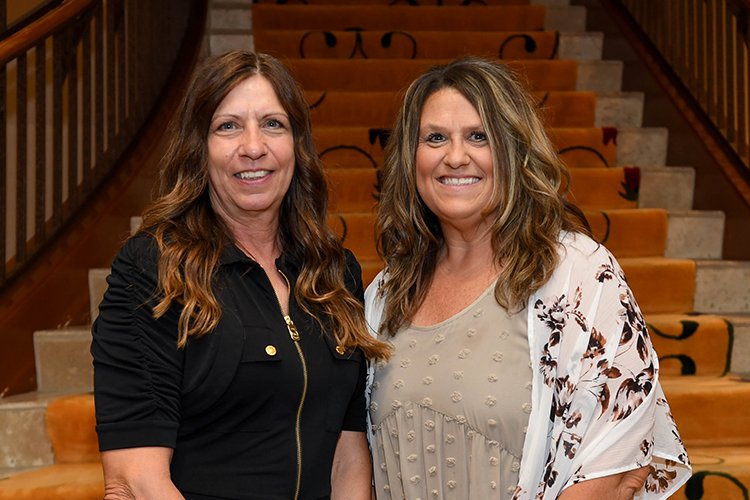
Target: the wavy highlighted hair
(191, 237)
(528, 208)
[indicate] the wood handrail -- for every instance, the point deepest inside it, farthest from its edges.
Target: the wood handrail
(134, 62)
(54, 21)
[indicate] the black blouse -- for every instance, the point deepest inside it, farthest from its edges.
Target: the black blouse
(249, 412)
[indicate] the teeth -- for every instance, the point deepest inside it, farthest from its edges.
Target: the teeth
(253, 175)
(458, 181)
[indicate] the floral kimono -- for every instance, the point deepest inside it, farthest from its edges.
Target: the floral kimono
(597, 406)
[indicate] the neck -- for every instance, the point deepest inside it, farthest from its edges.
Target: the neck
(468, 253)
(258, 238)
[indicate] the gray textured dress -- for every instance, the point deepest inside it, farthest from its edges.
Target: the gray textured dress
(449, 410)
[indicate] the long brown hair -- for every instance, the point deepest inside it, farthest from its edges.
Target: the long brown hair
(191, 237)
(528, 209)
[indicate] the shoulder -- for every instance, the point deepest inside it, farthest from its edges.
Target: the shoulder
(352, 271)
(579, 247)
(140, 253)
(351, 262)
(581, 260)
(372, 292)
(581, 253)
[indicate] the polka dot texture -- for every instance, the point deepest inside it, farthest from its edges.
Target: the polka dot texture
(454, 390)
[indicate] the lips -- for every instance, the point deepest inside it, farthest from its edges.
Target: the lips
(252, 175)
(458, 181)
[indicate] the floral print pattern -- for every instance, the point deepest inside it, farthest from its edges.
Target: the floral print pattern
(598, 370)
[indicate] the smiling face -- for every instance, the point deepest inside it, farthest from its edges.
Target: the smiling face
(454, 166)
(250, 153)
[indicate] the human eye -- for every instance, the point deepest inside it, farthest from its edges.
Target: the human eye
(477, 136)
(225, 126)
(275, 124)
(434, 138)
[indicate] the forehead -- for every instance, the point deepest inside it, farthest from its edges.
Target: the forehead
(447, 102)
(255, 91)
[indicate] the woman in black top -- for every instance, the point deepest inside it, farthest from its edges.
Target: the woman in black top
(229, 351)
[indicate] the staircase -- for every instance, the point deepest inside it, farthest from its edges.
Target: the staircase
(353, 58)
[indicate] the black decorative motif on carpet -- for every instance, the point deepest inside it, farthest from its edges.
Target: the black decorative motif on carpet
(694, 485)
(332, 41)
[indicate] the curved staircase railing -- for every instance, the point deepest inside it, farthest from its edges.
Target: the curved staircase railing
(76, 85)
(703, 50)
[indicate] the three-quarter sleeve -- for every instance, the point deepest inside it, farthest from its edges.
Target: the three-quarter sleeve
(137, 365)
(597, 405)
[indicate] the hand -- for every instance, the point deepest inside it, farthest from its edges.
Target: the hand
(621, 486)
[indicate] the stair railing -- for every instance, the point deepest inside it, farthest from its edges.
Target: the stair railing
(706, 44)
(76, 85)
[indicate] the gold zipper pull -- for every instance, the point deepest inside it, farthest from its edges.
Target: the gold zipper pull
(292, 328)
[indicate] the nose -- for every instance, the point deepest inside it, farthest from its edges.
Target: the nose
(457, 156)
(253, 143)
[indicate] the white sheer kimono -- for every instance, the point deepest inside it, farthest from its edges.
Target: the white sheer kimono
(597, 405)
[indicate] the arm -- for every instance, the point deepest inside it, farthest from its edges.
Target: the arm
(351, 476)
(598, 370)
(622, 486)
(138, 473)
(137, 376)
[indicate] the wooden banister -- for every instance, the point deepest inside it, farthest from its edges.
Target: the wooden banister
(92, 70)
(28, 37)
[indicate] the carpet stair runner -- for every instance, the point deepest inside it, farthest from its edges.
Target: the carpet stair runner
(354, 58)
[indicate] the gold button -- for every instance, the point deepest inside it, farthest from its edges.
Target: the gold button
(270, 350)
(340, 350)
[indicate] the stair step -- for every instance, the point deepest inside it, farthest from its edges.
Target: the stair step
(63, 361)
(97, 287)
(567, 18)
(406, 18)
(23, 431)
(634, 232)
(721, 473)
(661, 285)
(552, 3)
(667, 187)
(692, 344)
(740, 364)
(642, 146)
(135, 223)
(393, 75)
(338, 109)
(84, 481)
(599, 76)
(42, 428)
(627, 187)
(385, 44)
(619, 109)
(218, 43)
(229, 16)
(723, 287)
(71, 427)
(695, 234)
(581, 45)
(710, 411)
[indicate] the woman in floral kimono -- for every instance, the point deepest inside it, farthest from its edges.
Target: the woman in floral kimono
(523, 367)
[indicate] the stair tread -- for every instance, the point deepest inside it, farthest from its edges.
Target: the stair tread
(397, 17)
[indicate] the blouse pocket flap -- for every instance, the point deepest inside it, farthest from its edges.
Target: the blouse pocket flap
(340, 352)
(260, 346)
